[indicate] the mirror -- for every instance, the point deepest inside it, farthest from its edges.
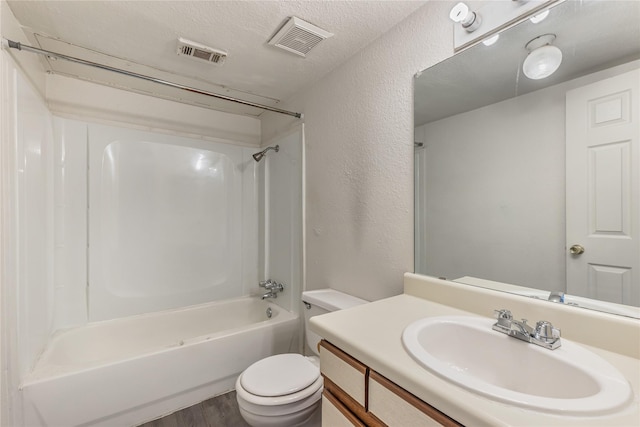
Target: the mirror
(497, 152)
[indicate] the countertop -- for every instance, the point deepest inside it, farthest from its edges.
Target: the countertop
(372, 334)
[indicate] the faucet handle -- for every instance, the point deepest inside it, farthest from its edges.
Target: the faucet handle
(504, 317)
(546, 332)
(502, 314)
(265, 283)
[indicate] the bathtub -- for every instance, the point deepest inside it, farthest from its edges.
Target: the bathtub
(131, 370)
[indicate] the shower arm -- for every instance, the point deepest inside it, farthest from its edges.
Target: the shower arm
(19, 46)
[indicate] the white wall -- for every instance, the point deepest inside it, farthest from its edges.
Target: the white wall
(494, 195)
(359, 158)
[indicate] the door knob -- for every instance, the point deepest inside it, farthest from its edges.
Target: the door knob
(576, 250)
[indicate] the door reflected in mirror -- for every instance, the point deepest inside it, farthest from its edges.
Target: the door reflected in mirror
(533, 186)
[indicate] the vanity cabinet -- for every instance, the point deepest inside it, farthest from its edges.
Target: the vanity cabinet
(355, 395)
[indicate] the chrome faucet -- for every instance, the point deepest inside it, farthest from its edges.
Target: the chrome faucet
(272, 288)
(544, 334)
(556, 297)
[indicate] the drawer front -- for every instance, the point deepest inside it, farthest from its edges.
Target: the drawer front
(395, 406)
(344, 371)
(334, 414)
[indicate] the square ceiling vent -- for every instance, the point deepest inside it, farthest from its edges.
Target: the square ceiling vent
(298, 36)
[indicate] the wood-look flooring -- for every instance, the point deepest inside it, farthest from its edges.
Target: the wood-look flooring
(220, 411)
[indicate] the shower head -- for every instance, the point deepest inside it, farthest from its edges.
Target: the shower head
(258, 156)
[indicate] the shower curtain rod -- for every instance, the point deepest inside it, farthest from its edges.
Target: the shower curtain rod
(20, 46)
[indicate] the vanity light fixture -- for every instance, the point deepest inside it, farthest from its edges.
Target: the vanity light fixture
(539, 17)
(491, 40)
(469, 20)
(543, 58)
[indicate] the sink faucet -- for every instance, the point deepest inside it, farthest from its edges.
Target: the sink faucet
(272, 288)
(556, 297)
(544, 334)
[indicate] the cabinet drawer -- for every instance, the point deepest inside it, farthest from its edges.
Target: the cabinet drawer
(395, 406)
(335, 414)
(344, 371)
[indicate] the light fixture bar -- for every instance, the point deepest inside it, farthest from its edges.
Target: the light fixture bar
(20, 46)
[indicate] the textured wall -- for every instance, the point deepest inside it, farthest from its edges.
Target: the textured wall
(359, 158)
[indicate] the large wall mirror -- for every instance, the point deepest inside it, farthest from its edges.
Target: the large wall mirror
(533, 185)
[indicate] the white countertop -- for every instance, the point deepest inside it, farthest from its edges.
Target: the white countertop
(372, 334)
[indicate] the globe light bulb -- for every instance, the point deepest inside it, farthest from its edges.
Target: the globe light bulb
(542, 62)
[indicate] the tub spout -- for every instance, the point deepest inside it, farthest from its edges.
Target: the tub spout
(272, 290)
(269, 294)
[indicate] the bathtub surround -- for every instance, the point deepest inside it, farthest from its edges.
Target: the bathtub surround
(28, 258)
(281, 226)
(167, 224)
(59, 174)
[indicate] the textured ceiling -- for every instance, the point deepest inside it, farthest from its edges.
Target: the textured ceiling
(141, 37)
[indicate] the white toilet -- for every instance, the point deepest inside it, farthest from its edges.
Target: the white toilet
(285, 390)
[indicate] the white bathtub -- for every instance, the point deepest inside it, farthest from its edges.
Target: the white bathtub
(127, 371)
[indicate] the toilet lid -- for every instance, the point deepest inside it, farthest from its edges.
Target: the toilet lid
(279, 375)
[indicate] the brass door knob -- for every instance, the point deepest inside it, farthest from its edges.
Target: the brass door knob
(576, 250)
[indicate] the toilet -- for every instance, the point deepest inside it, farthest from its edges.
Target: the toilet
(285, 390)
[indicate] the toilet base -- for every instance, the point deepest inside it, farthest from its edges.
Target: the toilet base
(308, 417)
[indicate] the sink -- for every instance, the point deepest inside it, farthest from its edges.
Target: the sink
(570, 380)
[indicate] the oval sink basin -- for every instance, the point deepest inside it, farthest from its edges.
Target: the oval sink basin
(570, 380)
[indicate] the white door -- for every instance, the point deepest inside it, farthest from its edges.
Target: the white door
(603, 190)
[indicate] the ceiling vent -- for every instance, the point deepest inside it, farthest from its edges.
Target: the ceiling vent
(201, 52)
(298, 36)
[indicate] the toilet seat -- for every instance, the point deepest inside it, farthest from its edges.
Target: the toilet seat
(279, 375)
(279, 368)
(282, 404)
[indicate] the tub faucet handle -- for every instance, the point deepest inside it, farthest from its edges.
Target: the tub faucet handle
(265, 283)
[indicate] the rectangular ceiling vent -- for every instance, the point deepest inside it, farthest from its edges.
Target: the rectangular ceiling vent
(298, 36)
(201, 52)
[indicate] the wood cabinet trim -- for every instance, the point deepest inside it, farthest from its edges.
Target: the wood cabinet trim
(344, 357)
(343, 409)
(351, 404)
(423, 407)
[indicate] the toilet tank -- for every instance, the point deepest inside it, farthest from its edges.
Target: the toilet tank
(323, 301)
